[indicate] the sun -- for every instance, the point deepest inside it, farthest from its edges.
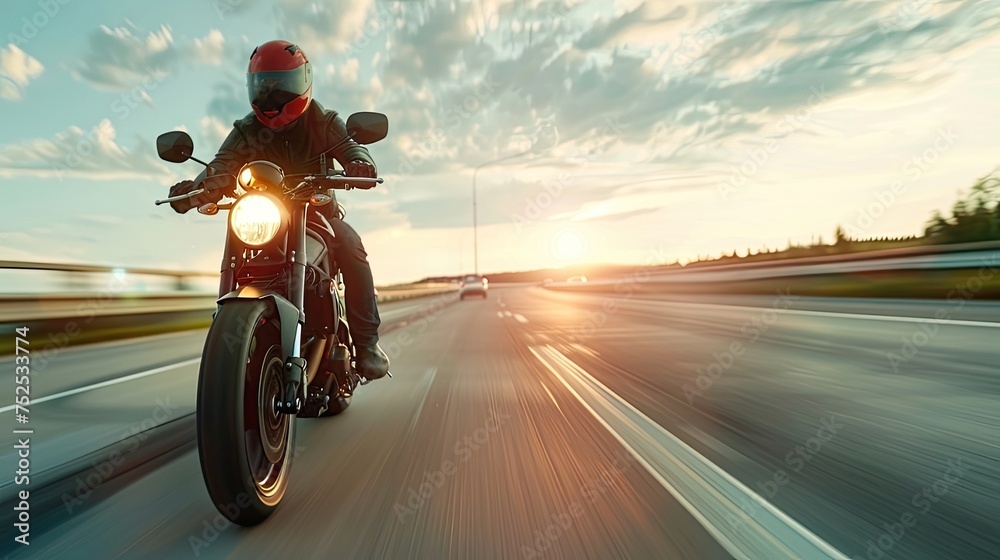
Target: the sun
(568, 245)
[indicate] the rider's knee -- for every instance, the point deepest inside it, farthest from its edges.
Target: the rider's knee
(349, 243)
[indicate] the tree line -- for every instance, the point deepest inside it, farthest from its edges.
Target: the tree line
(975, 216)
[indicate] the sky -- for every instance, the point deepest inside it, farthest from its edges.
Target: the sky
(615, 132)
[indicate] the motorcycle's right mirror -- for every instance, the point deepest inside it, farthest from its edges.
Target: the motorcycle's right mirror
(367, 128)
(175, 147)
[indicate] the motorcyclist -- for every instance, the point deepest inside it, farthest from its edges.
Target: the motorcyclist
(290, 129)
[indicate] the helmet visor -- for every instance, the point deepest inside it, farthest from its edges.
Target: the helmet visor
(270, 91)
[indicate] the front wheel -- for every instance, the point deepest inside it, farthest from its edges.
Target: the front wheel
(244, 443)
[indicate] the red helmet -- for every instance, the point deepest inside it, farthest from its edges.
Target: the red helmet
(279, 80)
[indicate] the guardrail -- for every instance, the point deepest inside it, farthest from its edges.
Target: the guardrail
(926, 275)
(100, 303)
(134, 281)
(65, 267)
(24, 277)
(876, 255)
(397, 293)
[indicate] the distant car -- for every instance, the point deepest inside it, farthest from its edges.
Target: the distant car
(577, 279)
(547, 281)
(473, 285)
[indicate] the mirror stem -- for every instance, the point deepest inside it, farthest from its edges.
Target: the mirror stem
(199, 161)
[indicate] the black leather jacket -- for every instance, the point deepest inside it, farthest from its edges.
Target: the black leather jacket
(296, 150)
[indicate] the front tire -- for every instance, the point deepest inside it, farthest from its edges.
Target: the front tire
(244, 444)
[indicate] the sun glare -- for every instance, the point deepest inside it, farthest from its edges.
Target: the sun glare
(568, 245)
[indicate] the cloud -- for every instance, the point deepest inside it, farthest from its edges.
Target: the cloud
(438, 42)
(648, 23)
(211, 49)
(75, 152)
(349, 71)
(119, 58)
(229, 99)
(645, 83)
(213, 130)
(624, 215)
(17, 69)
(323, 26)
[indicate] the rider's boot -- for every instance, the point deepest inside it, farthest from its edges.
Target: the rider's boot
(372, 363)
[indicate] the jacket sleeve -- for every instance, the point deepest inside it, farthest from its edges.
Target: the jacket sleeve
(347, 150)
(232, 155)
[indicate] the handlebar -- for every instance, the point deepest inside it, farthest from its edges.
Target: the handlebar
(339, 182)
(342, 182)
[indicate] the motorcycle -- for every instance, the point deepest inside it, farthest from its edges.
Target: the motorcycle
(279, 346)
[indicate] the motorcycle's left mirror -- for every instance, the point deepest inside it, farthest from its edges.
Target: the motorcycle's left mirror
(175, 146)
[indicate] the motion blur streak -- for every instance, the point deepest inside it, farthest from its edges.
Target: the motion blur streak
(712, 496)
(139, 375)
(476, 450)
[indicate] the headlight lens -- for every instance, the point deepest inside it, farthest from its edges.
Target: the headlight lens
(255, 219)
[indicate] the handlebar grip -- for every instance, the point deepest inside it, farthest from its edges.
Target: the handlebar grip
(343, 183)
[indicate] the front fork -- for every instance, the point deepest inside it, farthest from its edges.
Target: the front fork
(295, 365)
(293, 378)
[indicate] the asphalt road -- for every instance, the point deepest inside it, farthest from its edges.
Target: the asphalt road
(541, 424)
(87, 398)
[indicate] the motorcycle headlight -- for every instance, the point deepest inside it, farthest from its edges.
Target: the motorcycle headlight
(256, 219)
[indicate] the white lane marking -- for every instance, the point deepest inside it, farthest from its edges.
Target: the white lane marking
(552, 397)
(506, 313)
(711, 495)
(430, 373)
(520, 318)
(585, 350)
(834, 314)
(499, 314)
(108, 383)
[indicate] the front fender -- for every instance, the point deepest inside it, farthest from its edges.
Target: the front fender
(289, 316)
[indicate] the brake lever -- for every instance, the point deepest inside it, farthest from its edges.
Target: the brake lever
(185, 196)
(196, 192)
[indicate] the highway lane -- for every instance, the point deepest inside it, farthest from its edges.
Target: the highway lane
(470, 452)
(751, 384)
(88, 398)
(809, 411)
(92, 409)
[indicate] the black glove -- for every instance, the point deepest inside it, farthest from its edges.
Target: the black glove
(358, 168)
(184, 187)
